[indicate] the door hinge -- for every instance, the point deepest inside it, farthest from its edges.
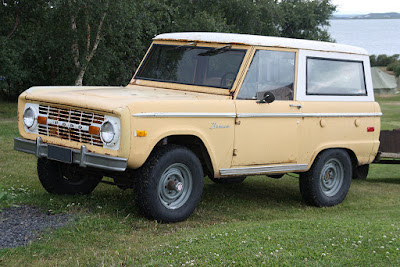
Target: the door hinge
(237, 121)
(235, 152)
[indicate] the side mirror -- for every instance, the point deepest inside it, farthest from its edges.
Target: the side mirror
(268, 98)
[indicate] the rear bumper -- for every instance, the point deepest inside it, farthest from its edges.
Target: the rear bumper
(81, 157)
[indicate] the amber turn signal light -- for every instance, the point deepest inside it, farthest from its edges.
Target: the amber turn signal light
(42, 120)
(141, 133)
(94, 130)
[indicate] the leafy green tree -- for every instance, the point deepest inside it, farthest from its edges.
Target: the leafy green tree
(305, 19)
(19, 39)
(66, 42)
(372, 60)
(395, 67)
(383, 60)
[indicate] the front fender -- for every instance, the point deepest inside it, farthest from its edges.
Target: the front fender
(218, 142)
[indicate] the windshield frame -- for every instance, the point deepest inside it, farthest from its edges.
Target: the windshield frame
(190, 87)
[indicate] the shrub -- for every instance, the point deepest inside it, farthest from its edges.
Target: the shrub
(395, 67)
(372, 59)
(383, 60)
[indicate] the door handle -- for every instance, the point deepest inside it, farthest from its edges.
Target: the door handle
(299, 106)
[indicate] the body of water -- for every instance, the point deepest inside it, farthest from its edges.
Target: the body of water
(377, 36)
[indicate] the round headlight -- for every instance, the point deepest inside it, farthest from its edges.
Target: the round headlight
(29, 117)
(107, 132)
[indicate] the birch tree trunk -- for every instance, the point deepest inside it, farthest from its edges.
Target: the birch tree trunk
(82, 64)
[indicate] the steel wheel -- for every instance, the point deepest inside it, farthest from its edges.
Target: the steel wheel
(331, 178)
(175, 186)
(327, 182)
(170, 184)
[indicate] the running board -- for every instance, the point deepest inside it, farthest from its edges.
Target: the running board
(263, 169)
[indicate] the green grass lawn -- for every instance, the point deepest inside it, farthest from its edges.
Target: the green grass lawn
(262, 221)
(390, 106)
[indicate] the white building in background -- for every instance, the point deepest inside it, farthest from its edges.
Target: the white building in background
(383, 82)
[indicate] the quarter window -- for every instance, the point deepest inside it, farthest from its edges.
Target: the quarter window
(335, 77)
(269, 71)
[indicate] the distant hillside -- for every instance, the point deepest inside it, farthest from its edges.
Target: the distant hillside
(391, 15)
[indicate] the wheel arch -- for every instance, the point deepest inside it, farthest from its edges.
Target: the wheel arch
(189, 140)
(353, 157)
(351, 153)
(196, 145)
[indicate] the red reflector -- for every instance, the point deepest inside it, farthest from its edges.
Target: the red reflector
(370, 129)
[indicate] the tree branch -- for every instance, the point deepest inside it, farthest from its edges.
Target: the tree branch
(98, 36)
(75, 46)
(15, 25)
(89, 56)
(14, 29)
(88, 41)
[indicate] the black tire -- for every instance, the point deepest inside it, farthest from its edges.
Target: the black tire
(233, 180)
(328, 180)
(170, 184)
(361, 172)
(66, 179)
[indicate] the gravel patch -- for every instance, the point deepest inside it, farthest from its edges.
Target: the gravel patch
(20, 225)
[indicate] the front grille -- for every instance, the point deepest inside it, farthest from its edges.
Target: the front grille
(66, 116)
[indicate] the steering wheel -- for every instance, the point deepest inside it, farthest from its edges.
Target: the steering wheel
(226, 81)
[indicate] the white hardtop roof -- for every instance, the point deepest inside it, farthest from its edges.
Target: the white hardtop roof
(258, 40)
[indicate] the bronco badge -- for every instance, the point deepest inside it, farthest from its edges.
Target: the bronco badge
(214, 125)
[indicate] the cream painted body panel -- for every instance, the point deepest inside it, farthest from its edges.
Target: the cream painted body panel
(266, 140)
(218, 141)
(281, 133)
(319, 133)
(108, 98)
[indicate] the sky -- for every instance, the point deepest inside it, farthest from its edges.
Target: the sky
(366, 6)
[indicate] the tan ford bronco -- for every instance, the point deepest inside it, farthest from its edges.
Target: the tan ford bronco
(225, 106)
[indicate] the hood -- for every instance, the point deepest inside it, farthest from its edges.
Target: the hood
(109, 98)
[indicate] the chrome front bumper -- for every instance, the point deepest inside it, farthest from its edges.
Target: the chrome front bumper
(81, 157)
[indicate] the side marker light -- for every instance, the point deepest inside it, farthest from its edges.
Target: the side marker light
(141, 133)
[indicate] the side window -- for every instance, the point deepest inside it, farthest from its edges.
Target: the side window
(270, 71)
(335, 77)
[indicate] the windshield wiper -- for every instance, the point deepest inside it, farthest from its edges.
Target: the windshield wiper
(215, 51)
(189, 45)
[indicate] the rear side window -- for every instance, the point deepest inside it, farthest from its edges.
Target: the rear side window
(335, 77)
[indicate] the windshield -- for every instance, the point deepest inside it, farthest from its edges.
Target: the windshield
(189, 64)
